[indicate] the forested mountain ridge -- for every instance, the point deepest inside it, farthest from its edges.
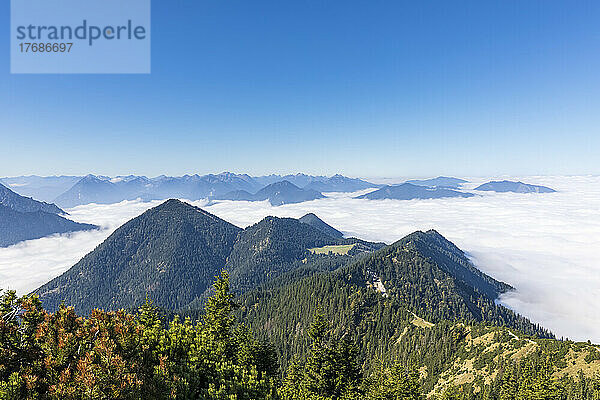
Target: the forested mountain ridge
(450, 258)
(271, 247)
(19, 226)
(170, 253)
(16, 202)
(316, 222)
(402, 321)
(23, 218)
(125, 356)
(421, 277)
(478, 360)
(434, 278)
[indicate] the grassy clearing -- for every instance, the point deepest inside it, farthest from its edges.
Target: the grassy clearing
(339, 250)
(421, 323)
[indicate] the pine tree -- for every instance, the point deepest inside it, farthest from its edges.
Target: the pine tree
(395, 383)
(330, 370)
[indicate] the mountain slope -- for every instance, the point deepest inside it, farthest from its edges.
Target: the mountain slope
(90, 189)
(515, 187)
(407, 191)
(19, 226)
(170, 253)
(427, 264)
(270, 248)
(284, 192)
(19, 203)
(316, 222)
(419, 281)
(237, 195)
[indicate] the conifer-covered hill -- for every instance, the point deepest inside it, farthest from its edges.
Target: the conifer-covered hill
(270, 248)
(316, 222)
(422, 279)
(133, 356)
(170, 253)
(452, 355)
(429, 263)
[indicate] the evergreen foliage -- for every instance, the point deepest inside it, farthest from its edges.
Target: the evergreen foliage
(330, 370)
(115, 355)
(170, 253)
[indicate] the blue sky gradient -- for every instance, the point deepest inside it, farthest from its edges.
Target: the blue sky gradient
(364, 88)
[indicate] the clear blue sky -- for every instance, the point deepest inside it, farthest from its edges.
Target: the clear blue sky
(365, 88)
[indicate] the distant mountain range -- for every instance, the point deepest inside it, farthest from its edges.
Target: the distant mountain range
(339, 183)
(408, 191)
(22, 218)
(440, 181)
(335, 183)
(277, 189)
(515, 187)
(278, 193)
(73, 191)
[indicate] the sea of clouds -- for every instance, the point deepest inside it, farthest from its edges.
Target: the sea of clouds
(545, 245)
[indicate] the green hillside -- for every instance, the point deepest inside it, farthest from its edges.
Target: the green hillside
(170, 253)
(271, 247)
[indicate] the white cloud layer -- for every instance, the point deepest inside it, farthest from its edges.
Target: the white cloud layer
(545, 245)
